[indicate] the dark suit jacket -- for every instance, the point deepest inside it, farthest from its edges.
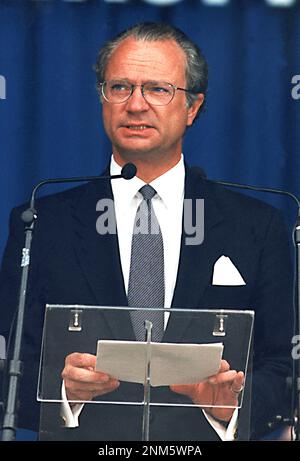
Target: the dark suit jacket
(73, 264)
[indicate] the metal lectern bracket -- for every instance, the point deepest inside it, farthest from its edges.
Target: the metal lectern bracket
(75, 323)
(220, 325)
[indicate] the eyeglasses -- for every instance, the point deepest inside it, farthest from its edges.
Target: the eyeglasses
(155, 93)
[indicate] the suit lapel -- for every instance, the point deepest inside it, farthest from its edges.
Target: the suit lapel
(196, 261)
(99, 258)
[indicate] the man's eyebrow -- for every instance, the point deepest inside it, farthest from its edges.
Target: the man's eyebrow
(119, 79)
(127, 80)
(155, 82)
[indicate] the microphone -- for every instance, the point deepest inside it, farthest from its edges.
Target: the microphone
(29, 217)
(128, 171)
(261, 189)
(202, 173)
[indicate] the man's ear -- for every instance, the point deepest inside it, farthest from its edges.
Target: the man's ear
(193, 110)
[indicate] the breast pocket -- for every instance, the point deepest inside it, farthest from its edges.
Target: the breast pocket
(227, 297)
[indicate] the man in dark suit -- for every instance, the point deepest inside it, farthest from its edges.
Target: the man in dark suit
(152, 81)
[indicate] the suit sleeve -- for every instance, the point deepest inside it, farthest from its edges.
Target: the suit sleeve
(273, 328)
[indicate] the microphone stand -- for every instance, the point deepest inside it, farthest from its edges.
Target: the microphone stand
(296, 384)
(147, 383)
(15, 367)
(296, 234)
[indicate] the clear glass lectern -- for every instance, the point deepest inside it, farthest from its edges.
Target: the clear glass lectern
(144, 407)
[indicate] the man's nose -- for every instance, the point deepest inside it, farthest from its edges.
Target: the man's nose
(137, 102)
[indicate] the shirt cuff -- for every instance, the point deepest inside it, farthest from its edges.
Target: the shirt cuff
(225, 433)
(69, 415)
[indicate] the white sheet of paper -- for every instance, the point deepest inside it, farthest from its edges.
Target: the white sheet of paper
(170, 363)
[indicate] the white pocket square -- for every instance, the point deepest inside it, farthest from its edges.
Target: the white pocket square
(225, 273)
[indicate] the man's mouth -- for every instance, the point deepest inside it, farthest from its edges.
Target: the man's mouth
(138, 127)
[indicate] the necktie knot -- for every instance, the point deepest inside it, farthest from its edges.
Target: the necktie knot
(148, 192)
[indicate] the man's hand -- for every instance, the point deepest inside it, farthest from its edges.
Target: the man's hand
(82, 382)
(220, 389)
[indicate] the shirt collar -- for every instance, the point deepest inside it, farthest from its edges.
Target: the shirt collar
(169, 186)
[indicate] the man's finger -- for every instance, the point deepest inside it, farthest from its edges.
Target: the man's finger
(238, 383)
(84, 375)
(77, 359)
(77, 387)
(222, 378)
(224, 366)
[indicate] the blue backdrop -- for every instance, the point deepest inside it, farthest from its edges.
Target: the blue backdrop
(50, 121)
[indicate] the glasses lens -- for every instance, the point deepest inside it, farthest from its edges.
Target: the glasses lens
(116, 91)
(158, 93)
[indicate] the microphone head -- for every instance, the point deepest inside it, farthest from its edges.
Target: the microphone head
(128, 171)
(28, 216)
(199, 171)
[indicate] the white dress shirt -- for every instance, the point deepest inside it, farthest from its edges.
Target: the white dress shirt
(168, 207)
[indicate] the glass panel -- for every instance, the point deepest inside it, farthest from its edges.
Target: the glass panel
(69, 329)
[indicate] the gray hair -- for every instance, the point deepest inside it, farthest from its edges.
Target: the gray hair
(196, 66)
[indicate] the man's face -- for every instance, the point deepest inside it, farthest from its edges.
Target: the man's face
(135, 127)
